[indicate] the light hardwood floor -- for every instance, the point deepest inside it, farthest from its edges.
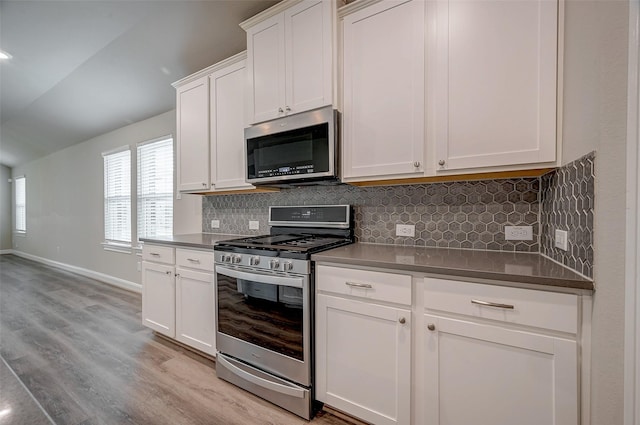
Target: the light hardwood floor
(80, 349)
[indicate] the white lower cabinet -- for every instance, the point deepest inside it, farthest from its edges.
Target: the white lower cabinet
(488, 375)
(496, 355)
(178, 298)
(195, 316)
(159, 298)
(404, 348)
(364, 359)
(363, 343)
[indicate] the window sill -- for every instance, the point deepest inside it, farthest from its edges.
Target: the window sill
(116, 247)
(19, 233)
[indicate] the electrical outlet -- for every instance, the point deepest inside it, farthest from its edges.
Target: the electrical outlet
(405, 230)
(215, 224)
(562, 239)
(518, 233)
(254, 225)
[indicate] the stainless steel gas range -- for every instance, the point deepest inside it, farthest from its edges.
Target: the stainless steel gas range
(264, 303)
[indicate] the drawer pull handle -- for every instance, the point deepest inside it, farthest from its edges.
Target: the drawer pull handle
(194, 260)
(155, 254)
(402, 320)
(431, 327)
(490, 304)
(358, 285)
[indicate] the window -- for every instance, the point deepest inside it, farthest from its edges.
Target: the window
(21, 204)
(117, 197)
(155, 188)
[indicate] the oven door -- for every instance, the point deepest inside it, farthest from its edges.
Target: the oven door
(264, 320)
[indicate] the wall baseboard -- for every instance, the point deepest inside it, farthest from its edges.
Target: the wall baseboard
(6, 251)
(102, 277)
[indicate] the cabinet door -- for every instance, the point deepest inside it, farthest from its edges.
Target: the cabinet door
(159, 298)
(227, 102)
(487, 375)
(192, 109)
(384, 111)
(308, 56)
(495, 82)
(195, 314)
(266, 69)
(363, 355)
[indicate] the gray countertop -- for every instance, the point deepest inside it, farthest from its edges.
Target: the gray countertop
(518, 267)
(527, 268)
(193, 240)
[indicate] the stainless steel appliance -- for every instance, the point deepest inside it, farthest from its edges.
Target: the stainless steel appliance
(297, 149)
(264, 303)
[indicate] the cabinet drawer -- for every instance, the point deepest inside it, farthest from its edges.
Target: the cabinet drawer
(201, 260)
(158, 253)
(381, 286)
(548, 310)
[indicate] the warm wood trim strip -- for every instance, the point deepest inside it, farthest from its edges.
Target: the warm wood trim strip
(236, 192)
(458, 177)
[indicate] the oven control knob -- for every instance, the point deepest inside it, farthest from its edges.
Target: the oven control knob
(254, 261)
(287, 266)
(236, 259)
(274, 264)
(225, 258)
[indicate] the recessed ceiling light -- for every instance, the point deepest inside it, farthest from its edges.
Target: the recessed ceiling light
(4, 55)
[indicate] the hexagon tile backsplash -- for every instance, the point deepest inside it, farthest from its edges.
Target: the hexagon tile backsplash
(454, 215)
(567, 198)
(464, 214)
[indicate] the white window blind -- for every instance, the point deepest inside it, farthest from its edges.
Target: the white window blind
(155, 188)
(117, 197)
(21, 204)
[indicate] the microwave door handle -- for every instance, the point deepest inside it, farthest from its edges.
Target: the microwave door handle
(295, 282)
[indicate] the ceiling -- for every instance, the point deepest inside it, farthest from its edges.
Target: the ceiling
(83, 68)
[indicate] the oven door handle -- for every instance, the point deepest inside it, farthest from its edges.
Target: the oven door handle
(273, 386)
(295, 282)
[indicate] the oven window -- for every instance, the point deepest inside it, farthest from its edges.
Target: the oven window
(269, 316)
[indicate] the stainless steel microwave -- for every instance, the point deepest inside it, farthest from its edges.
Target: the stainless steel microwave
(294, 150)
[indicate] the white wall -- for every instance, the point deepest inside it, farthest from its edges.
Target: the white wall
(6, 209)
(65, 202)
(595, 94)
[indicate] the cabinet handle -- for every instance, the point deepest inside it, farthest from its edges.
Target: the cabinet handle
(416, 164)
(431, 327)
(490, 304)
(155, 254)
(177, 274)
(168, 272)
(402, 320)
(441, 163)
(204, 185)
(280, 111)
(358, 285)
(194, 260)
(287, 109)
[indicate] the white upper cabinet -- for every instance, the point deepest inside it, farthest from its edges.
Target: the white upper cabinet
(494, 83)
(383, 90)
(290, 59)
(211, 121)
(192, 121)
(227, 87)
